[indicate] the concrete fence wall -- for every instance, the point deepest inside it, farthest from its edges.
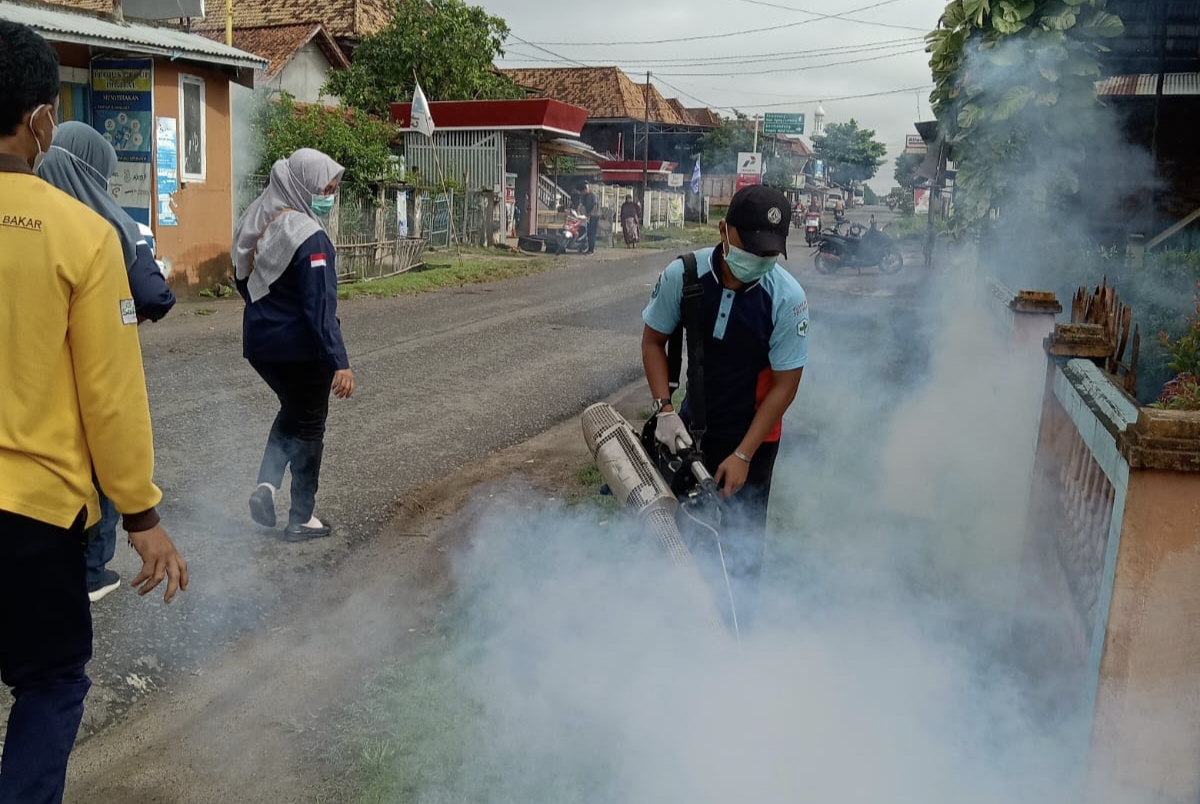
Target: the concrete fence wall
(1109, 588)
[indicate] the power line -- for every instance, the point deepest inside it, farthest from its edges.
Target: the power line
(766, 58)
(841, 16)
(721, 35)
(796, 69)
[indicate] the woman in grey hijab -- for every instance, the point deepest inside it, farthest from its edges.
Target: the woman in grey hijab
(80, 162)
(284, 267)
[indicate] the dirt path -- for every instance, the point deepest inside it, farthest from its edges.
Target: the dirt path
(258, 725)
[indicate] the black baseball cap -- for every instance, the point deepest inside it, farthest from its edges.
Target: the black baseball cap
(762, 217)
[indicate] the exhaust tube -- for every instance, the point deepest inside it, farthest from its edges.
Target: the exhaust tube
(637, 484)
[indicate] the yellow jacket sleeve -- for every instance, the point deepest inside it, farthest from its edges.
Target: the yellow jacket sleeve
(111, 384)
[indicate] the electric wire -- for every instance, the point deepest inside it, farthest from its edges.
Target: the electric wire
(794, 69)
(746, 58)
(841, 17)
(725, 35)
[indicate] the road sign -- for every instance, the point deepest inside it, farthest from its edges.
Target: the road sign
(675, 180)
(783, 123)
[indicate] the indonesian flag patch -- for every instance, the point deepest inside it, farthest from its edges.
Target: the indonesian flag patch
(318, 261)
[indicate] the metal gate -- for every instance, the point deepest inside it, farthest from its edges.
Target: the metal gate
(473, 159)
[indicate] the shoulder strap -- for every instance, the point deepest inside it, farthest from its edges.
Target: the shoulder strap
(692, 320)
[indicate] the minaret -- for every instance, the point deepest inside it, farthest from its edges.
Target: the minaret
(819, 121)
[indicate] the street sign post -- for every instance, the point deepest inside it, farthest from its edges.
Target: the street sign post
(783, 123)
(675, 180)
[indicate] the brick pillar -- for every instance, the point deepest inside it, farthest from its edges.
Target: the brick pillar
(1146, 729)
(1033, 312)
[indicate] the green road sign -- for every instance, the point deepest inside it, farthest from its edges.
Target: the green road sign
(781, 123)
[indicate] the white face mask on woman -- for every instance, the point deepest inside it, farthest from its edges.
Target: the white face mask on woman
(41, 152)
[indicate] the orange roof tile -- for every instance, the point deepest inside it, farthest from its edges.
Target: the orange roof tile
(279, 43)
(703, 117)
(606, 92)
(351, 19)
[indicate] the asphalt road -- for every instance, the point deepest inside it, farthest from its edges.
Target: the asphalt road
(443, 379)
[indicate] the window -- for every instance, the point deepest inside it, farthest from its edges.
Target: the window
(191, 128)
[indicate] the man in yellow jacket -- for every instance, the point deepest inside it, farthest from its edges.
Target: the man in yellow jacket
(72, 398)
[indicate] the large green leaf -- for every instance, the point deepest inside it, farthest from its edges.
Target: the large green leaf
(954, 16)
(1048, 98)
(1049, 73)
(975, 11)
(1012, 101)
(969, 115)
(1059, 22)
(1102, 23)
(1007, 26)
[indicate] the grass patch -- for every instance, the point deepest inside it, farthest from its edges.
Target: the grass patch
(449, 269)
(913, 226)
(693, 234)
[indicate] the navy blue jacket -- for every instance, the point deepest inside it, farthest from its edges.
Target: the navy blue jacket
(297, 321)
(152, 298)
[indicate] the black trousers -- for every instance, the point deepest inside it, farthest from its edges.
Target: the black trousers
(593, 227)
(297, 436)
(45, 644)
(743, 530)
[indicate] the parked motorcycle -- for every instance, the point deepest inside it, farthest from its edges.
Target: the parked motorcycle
(572, 236)
(812, 228)
(861, 247)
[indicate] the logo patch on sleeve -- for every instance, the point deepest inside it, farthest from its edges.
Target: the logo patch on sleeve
(318, 261)
(802, 328)
(128, 312)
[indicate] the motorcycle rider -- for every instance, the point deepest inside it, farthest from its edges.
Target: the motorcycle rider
(754, 356)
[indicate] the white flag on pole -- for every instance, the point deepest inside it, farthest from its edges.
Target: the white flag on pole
(420, 118)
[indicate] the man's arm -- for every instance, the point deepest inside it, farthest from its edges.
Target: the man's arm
(654, 362)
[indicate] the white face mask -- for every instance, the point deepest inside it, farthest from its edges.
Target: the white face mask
(41, 154)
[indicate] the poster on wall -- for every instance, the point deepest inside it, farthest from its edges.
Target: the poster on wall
(402, 213)
(123, 112)
(166, 170)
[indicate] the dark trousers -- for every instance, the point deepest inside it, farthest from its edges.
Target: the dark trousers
(298, 435)
(743, 530)
(103, 543)
(45, 643)
(593, 227)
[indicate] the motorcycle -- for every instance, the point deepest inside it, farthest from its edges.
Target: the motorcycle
(860, 247)
(812, 228)
(572, 236)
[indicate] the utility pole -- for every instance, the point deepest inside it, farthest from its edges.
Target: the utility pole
(646, 144)
(229, 22)
(755, 148)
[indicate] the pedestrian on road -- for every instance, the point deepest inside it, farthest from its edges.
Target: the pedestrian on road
(591, 208)
(755, 318)
(80, 162)
(74, 401)
(285, 270)
(631, 222)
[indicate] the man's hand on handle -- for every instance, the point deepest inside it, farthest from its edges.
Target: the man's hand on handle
(731, 475)
(670, 430)
(160, 560)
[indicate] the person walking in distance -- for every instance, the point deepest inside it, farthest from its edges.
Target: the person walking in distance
(80, 162)
(591, 208)
(755, 338)
(74, 402)
(285, 271)
(631, 222)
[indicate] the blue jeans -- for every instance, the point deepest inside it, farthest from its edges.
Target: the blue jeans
(45, 644)
(103, 545)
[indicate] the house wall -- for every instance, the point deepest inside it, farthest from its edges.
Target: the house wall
(303, 76)
(198, 247)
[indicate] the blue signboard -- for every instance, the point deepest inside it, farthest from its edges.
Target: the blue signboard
(123, 111)
(166, 169)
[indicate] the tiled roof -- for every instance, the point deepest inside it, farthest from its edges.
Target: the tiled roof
(348, 19)
(606, 92)
(351, 19)
(279, 43)
(703, 117)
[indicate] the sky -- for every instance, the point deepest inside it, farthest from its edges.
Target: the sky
(753, 55)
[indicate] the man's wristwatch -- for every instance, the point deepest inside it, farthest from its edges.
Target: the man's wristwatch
(660, 403)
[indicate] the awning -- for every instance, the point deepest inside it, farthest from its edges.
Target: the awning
(580, 150)
(540, 115)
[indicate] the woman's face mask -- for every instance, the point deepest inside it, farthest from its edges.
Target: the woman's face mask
(41, 152)
(746, 267)
(322, 205)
